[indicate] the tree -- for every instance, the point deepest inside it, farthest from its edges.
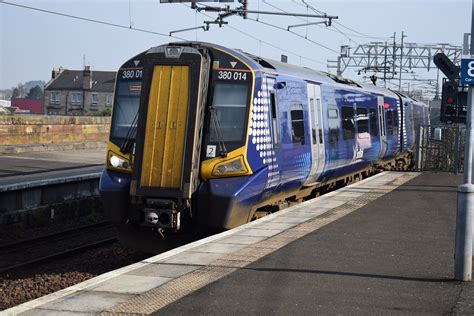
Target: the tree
(15, 93)
(105, 112)
(21, 90)
(35, 93)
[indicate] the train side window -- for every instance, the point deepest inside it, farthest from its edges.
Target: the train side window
(348, 126)
(390, 122)
(297, 123)
(362, 121)
(275, 126)
(373, 122)
(333, 127)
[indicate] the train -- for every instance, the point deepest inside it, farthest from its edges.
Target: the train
(203, 136)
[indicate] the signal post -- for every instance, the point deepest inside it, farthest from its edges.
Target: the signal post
(465, 211)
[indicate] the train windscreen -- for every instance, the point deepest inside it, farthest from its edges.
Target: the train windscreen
(125, 110)
(230, 103)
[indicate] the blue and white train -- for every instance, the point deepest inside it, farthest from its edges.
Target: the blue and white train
(206, 136)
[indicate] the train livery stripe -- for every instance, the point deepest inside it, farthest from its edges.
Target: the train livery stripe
(165, 127)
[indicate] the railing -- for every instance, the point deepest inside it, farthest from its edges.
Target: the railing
(440, 148)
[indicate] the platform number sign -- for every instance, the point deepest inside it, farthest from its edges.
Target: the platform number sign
(467, 71)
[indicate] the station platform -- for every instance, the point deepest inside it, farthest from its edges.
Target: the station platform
(39, 168)
(382, 245)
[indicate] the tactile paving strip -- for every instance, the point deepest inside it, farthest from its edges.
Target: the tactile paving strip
(176, 289)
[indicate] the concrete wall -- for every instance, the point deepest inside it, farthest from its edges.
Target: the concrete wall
(21, 133)
(45, 207)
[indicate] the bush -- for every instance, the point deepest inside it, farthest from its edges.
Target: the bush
(106, 112)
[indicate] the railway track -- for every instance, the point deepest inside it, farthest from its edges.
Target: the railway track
(59, 255)
(27, 242)
(54, 246)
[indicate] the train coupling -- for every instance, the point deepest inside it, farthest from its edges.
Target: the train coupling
(162, 213)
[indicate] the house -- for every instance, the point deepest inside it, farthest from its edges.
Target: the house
(78, 92)
(32, 106)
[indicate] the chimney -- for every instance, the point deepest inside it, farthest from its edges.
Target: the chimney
(87, 78)
(56, 72)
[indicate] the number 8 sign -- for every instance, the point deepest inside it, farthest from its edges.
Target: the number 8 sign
(467, 71)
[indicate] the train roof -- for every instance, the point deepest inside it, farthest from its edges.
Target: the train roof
(318, 76)
(278, 67)
(272, 65)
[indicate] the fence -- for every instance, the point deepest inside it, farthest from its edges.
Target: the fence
(440, 148)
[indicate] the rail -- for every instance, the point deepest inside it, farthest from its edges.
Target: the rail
(59, 255)
(13, 253)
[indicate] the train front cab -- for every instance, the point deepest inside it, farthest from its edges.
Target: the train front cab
(153, 168)
(181, 154)
(232, 172)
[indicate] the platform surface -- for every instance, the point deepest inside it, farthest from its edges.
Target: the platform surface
(35, 166)
(382, 245)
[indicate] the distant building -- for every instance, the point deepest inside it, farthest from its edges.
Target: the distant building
(31, 106)
(5, 103)
(78, 92)
(4, 107)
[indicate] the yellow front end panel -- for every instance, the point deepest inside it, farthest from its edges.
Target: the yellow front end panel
(166, 127)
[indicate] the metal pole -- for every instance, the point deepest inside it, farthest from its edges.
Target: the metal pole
(465, 46)
(394, 53)
(385, 67)
(401, 64)
(437, 86)
(339, 72)
(456, 150)
(419, 151)
(465, 211)
(245, 11)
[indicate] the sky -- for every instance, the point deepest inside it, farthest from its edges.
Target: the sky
(33, 42)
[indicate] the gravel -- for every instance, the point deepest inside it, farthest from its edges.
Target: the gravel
(17, 287)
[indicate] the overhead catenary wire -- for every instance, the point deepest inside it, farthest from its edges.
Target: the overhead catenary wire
(361, 35)
(277, 47)
(129, 27)
(322, 27)
(358, 34)
(76, 17)
(296, 34)
(265, 42)
(278, 27)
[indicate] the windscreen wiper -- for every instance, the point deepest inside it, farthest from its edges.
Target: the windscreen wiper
(130, 137)
(217, 128)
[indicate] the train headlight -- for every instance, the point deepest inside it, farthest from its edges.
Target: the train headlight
(231, 167)
(118, 162)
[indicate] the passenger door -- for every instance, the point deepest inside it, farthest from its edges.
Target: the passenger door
(382, 128)
(316, 130)
(274, 170)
